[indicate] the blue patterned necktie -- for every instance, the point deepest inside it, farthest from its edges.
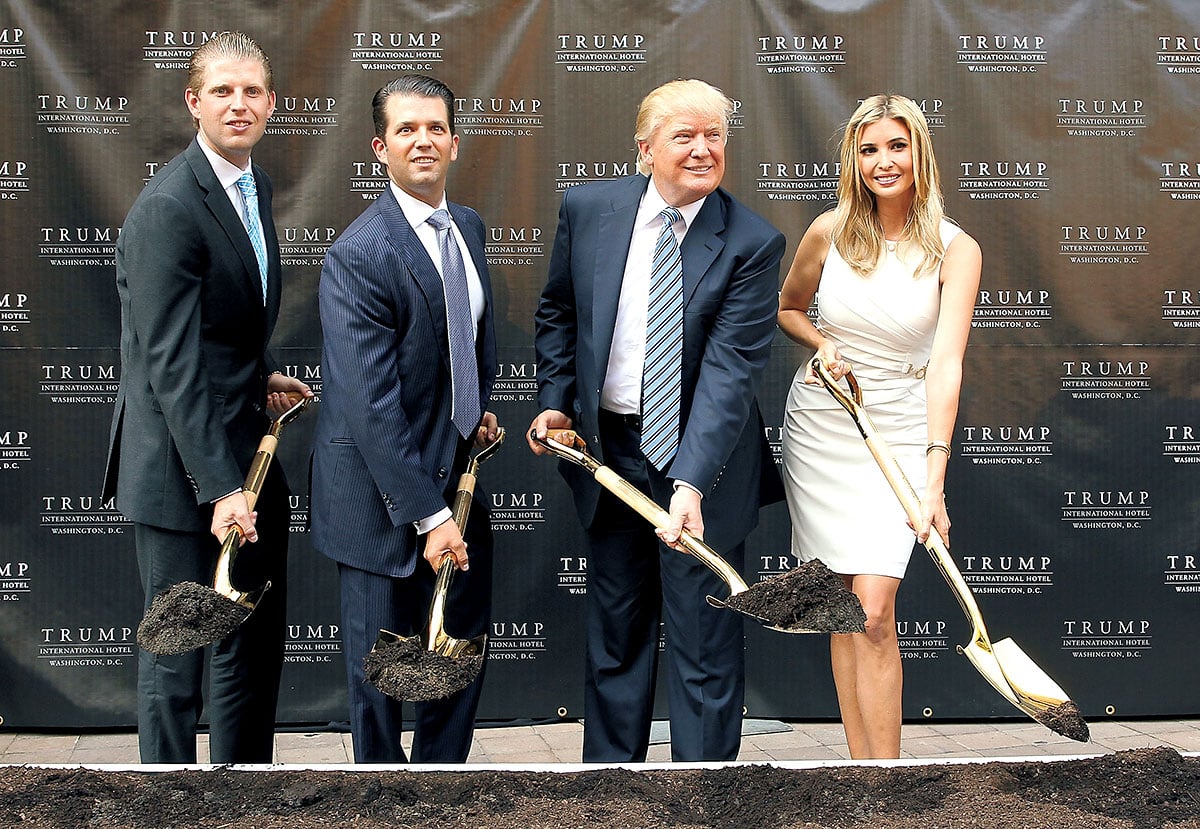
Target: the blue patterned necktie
(254, 226)
(663, 370)
(464, 369)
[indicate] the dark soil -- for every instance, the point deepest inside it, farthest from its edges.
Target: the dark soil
(1066, 720)
(405, 670)
(187, 616)
(1143, 789)
(810, 597)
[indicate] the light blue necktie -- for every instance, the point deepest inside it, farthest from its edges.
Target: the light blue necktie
(254, 226)
(663, 370)
(464, 370)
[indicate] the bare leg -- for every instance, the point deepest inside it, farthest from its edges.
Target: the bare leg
(868, 673)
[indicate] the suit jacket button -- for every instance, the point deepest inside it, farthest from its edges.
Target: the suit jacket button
(442, 473)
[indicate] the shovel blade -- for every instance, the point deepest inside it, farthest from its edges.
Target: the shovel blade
(456, 648)
(404, 668)
(1019, 680)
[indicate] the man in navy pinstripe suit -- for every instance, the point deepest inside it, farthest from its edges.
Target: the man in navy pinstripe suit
(387, 455)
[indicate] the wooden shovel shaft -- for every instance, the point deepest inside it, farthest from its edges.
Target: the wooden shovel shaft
(255, 477)
(644, 506)
(1011, 682)
(460, 512)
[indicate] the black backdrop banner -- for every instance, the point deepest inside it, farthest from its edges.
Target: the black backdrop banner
(1066, 137)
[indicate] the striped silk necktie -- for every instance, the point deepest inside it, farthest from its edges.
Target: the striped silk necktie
(464, 370)
(254, 226)
(663, 368)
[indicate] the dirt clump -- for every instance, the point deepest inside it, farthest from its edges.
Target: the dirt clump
(810, 597)
(1140, 789)
(187, 616)
(405, 670)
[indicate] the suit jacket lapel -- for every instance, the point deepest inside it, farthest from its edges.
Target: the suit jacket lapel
(614, 234)
(217, 202)
(702, 244)
(274, 267)
(404, 239)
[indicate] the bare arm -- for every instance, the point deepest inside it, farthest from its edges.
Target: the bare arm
(799, 288)
(943, 379)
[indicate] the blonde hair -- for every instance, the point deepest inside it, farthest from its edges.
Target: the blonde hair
(857, 232)
(683, 96)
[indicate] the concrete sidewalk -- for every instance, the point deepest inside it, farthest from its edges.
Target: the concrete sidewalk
(561, 742)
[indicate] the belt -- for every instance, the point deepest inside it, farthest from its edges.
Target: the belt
(629, 421)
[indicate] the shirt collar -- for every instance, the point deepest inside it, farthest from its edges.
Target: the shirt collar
(653, 203)
(226, 172)
(415, 211)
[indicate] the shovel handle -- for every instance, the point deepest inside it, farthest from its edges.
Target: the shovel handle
(566, 444)
(267, 446)
(904, 491)
(460, 511)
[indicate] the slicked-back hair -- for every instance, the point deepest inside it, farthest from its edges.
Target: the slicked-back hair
(421, 86)
(226, 46)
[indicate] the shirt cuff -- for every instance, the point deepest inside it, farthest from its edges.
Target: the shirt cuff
(678, 483)
(227, 494)
(425, 525)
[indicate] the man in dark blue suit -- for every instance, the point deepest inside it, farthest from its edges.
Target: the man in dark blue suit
(396, 422)
(198, 276)
(593, 342)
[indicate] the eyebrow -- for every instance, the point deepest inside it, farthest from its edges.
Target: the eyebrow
(888, 141)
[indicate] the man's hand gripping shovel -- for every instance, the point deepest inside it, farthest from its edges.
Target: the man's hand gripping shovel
(187, 616)
(433, 665)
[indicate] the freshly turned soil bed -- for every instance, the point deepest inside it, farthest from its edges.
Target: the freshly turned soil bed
(1142, 789)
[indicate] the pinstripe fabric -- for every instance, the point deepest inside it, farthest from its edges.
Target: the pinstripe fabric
(385, 449)
(664, 348)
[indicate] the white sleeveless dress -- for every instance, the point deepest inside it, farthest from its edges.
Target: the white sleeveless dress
(843, 511)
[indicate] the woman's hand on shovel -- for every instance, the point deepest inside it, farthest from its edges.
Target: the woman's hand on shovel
(446, 540)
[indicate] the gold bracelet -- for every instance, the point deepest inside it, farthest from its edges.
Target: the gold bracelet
(938, 444)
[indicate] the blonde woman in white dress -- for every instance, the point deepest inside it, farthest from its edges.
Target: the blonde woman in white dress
(895, 284)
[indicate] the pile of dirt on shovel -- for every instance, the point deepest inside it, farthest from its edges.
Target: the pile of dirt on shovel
(807, 597)
(405, 670)
(1141, 789)
(187, 616)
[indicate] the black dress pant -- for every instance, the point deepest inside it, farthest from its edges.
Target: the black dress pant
(636, 585)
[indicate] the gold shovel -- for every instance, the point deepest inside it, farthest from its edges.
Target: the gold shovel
(566, 444)
(407, 667)
(188, 615)
(1003, 664)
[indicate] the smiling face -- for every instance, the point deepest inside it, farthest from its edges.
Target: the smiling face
(417, 146)
(885, 159)
(232, 107)
(686, 157)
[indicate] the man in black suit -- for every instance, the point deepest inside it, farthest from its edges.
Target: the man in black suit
(409, 359)
(198, 276)
(604, 368)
